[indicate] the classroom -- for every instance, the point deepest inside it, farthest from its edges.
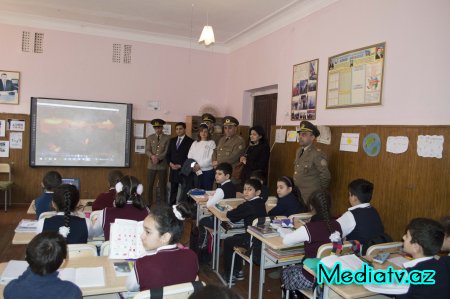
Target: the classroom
(170, 76)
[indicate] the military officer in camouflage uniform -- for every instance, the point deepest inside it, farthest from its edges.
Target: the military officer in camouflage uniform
(231, 146)
(156, 150)
(210, 120)
(310, 166)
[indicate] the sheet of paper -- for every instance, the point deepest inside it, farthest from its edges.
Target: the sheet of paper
(280, 135)
(16, 125)
(4, 149)
(15, 140)
(149, 129)
(167, 129)
(349, 142)
(2, 128)
(325, 135)
(397, 144)
(399, 261)
(13, 270)
(138, 131)
(139, 146)
(430, 146)
(291, 136)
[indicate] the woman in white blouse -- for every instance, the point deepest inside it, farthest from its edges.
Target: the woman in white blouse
(201, 151)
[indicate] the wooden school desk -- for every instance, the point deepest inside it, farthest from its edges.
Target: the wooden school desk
(113, 284)
(201, 200)
(219, 217)
(268, 261)
(82, 206)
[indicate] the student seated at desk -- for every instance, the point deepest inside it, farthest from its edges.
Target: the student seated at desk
(423, 240)
(45, 254)
(252, 208)
(106, 199)
(165, 263)
(260, 176)
(289, 199)
(314, 234)
(226, 190)
(44, 202)
(361, 222)
(127, 205)
(72, 227)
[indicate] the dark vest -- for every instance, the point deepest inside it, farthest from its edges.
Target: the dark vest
(128, 211)
(78, 228)
(319, 235)
(167, 267)
(368, 225)
(229, 190)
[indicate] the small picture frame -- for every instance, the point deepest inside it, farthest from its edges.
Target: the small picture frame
(9, 87)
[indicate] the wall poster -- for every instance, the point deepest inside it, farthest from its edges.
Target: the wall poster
(304, 90)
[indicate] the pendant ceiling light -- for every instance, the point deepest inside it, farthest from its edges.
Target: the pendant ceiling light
(207, 36)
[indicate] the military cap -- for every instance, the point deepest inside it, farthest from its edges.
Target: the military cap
(157, 122)
(306, 126)
(208, 117)
(230, 121)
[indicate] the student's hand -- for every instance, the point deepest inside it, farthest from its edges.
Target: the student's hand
(243, 159)
(283, 231)
(196, 167)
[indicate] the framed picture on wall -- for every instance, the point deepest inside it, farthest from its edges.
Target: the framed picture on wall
(355, 78)
(9, 87)
(304, 90)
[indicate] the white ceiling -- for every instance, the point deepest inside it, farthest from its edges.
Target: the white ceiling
(173, 22)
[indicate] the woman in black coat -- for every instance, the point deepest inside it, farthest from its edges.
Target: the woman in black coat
(257, 155)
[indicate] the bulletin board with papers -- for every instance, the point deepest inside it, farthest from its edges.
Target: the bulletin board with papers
(355, 78)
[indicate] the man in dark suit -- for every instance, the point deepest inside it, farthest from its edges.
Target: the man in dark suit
(176, 155)
(5, 84)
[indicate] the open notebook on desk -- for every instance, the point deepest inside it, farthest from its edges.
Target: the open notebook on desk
(82, 277)
(125, 239)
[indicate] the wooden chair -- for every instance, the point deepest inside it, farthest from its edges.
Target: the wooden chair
(391, 247)
(81, 250)
(48, 214)
(176, 291)
(5, 185)
(247, 256)
(304, 217)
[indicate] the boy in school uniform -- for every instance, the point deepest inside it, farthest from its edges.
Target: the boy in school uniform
(446, 244)
(361, 222)
(252, 208)
(423, 240)
(226, 190)
(45, 254)
(106, 199)
(43, 203)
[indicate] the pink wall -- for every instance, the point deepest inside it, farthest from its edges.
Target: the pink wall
(77, 66)
(416, 74)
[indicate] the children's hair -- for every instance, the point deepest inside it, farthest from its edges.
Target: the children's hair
(288, 181)
(320, 202)
(51, 180)
(428, 233)
(225, 167)
(168, 222)
(202, 127)
(129, 192)
(214, 291)
(114, 177)
(362, 189)
(66, 198)
(445, 221)
(46, 252)
(255, 183)
(259, 175)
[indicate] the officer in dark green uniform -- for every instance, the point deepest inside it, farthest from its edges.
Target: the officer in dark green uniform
(310, 166)
(231, 146)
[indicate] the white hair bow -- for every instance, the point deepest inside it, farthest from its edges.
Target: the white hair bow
(177, 213)
(64, 231)
(119, 187)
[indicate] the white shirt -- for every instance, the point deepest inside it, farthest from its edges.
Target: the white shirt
(40, 224)
(347, 220)
(218, 196)
(297, 236)
(201, 152)
(132, 283)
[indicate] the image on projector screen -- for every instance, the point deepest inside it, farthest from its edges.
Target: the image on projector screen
(75, 133)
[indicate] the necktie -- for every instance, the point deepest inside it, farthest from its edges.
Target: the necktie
(178, 142)
(301, 153)
(158, 138)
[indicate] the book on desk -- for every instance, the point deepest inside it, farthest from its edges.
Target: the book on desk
(26, 226)
(264, 230)
(287, 254)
